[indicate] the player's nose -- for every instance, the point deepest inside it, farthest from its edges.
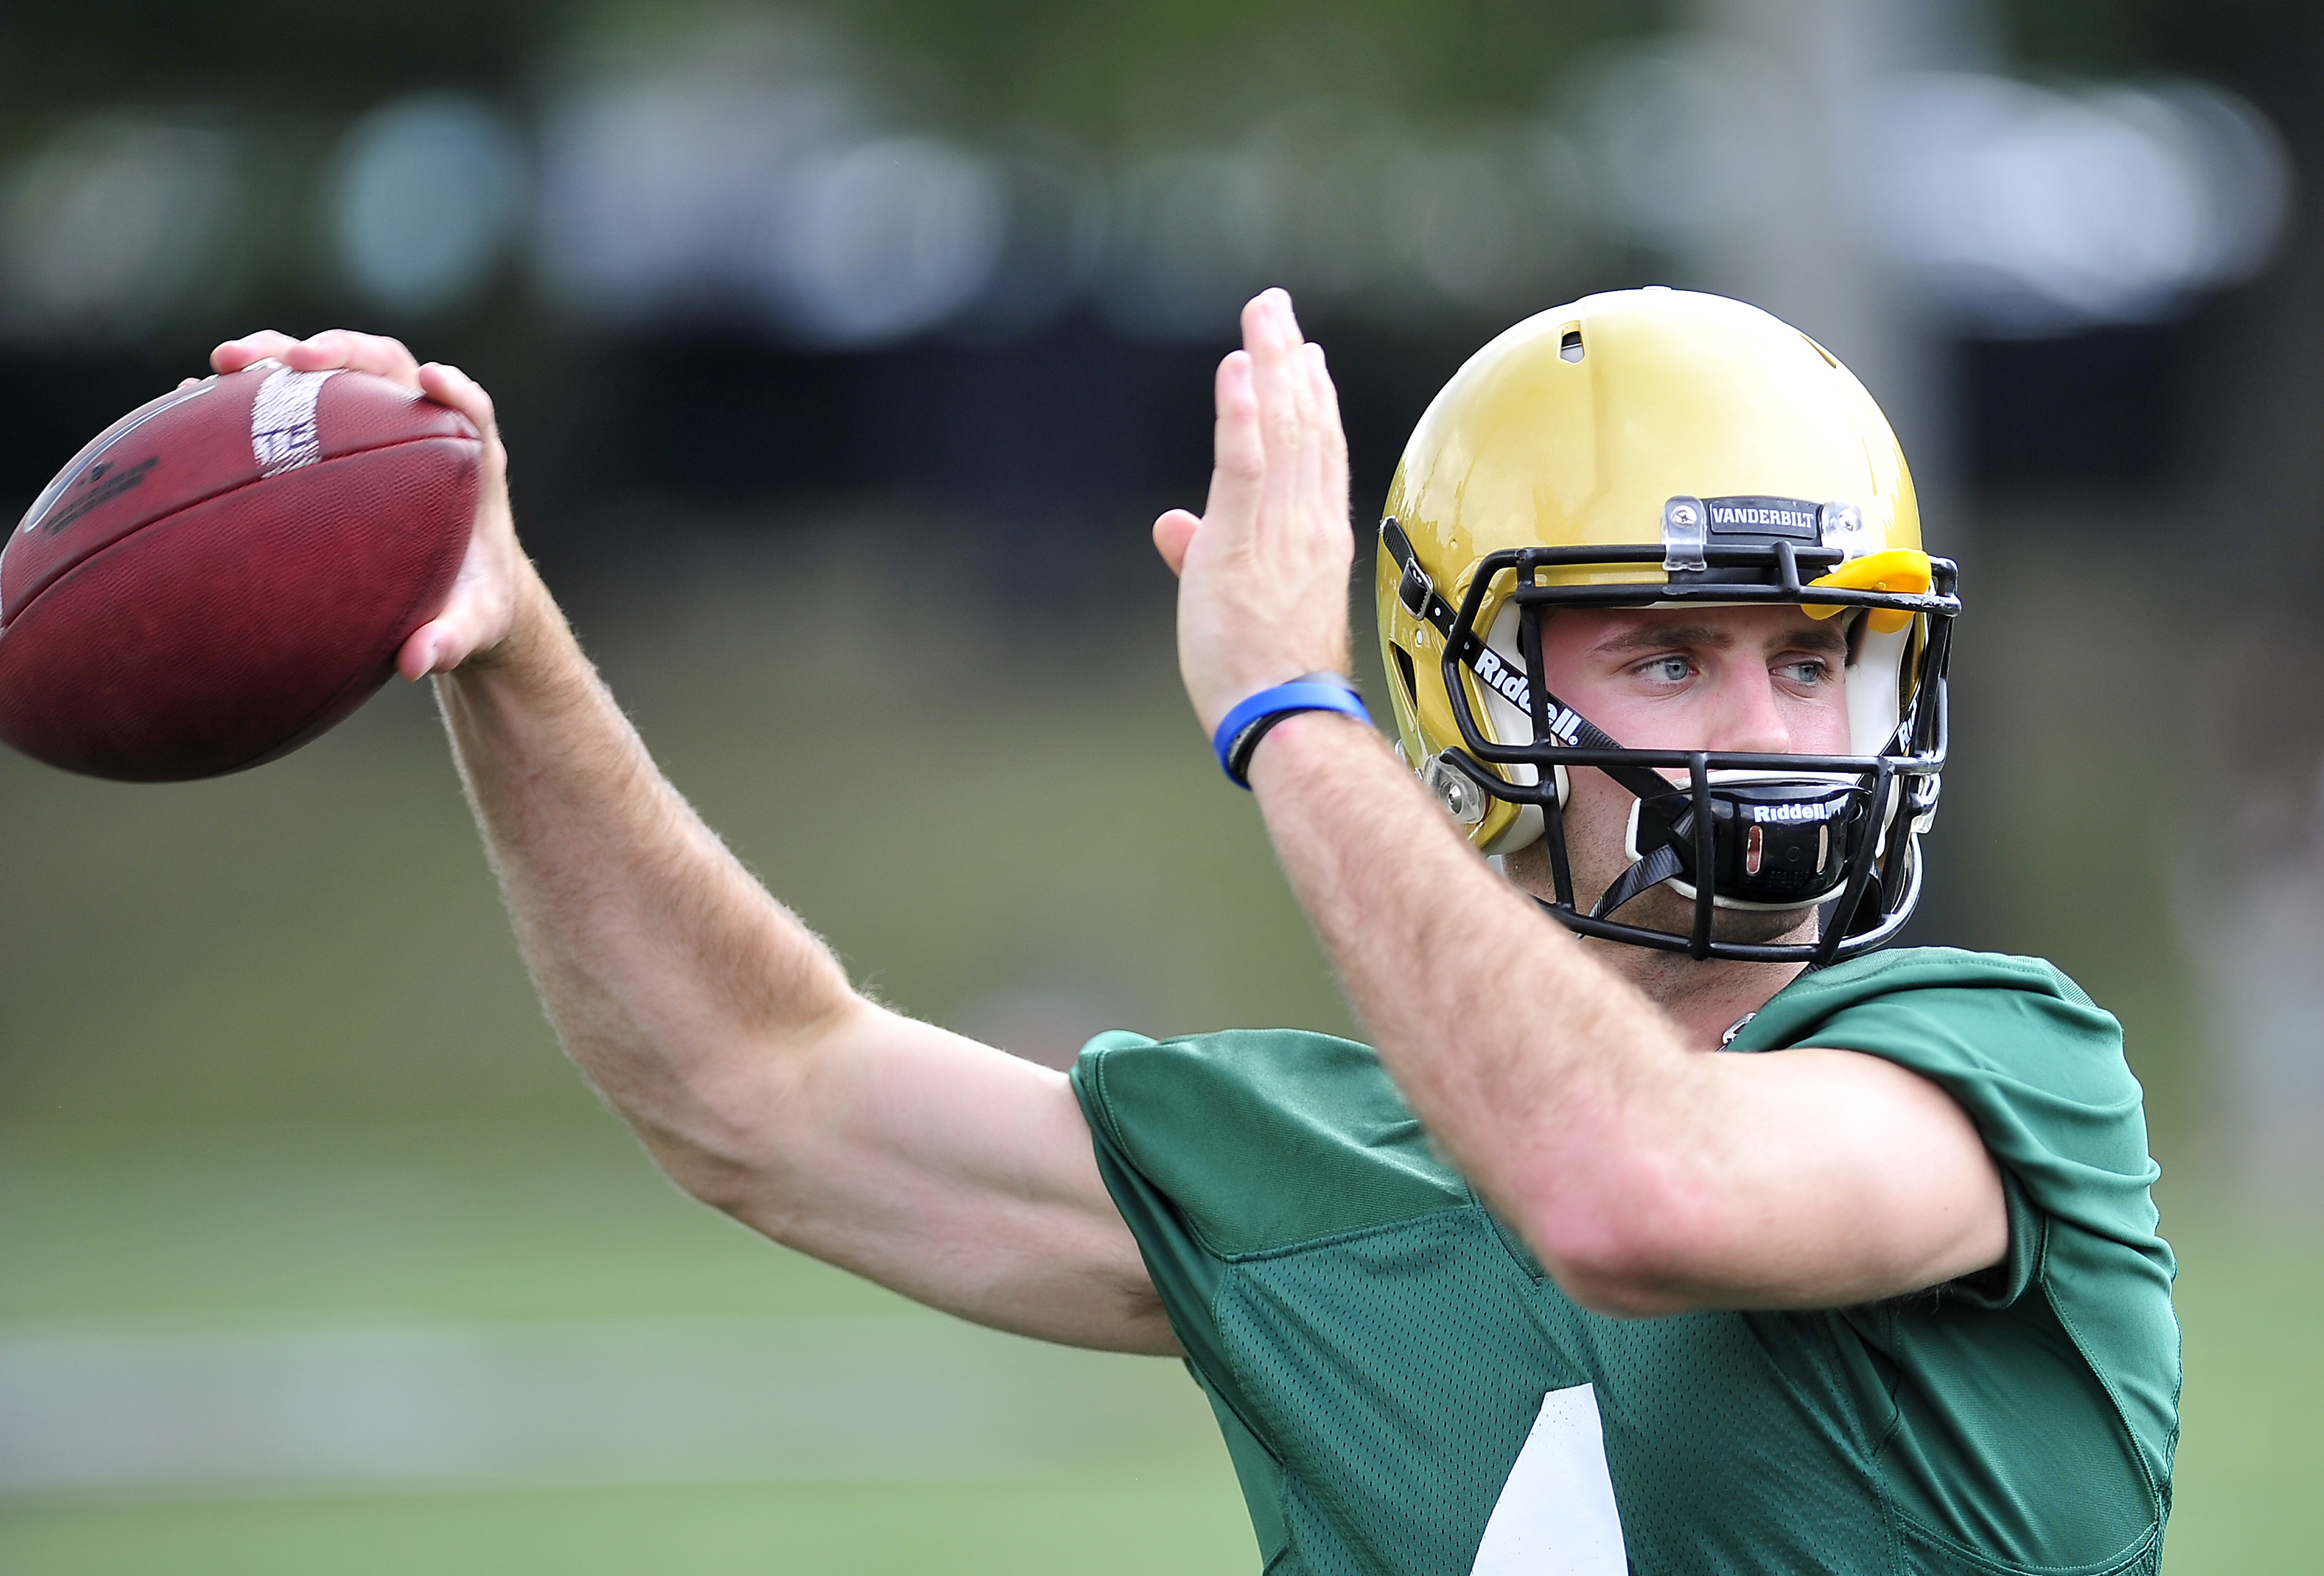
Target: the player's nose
(1752, 720)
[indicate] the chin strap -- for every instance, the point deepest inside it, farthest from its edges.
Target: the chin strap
(1650, 871)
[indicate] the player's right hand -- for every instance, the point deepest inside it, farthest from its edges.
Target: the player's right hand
(1263, 571)
(494, 577)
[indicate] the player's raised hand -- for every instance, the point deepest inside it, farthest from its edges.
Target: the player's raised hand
(481, 611)
(1263, 571)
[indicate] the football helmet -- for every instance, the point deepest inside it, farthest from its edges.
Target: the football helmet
(1662, 448)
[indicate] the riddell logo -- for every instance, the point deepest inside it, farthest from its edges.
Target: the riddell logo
(1498, 674)
(1511, 686)
(1815, 811)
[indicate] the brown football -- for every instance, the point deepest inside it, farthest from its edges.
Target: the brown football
(224, 572)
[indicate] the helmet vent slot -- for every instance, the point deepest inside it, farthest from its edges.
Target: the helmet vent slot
(1570, 347)
(1404, 671)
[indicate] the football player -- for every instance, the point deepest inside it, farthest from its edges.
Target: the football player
(1666, 1225)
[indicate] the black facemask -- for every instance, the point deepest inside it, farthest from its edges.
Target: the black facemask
(1770, 831)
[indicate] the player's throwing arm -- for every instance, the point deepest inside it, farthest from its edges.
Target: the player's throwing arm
(720, 1026)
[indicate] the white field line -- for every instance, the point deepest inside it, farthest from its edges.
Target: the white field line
(564, 1404)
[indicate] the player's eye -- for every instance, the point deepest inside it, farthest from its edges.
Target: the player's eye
(1671, 669)
(1808, 672)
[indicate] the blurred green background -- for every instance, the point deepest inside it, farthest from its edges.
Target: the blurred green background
(314, 1254)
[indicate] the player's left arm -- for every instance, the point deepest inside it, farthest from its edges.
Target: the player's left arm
(1650, 1177)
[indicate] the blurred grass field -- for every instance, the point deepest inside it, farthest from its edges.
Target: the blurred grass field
(287, 1230)
(269, 1063)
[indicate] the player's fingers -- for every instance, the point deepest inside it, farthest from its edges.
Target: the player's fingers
(1309, 515)
(449, 385)
(418, 657)
(1271, 337)
(1277, 372)
(1330, 439)
(1173, 533)
(344, 348)
(237, 354)
(1296, 374)
(474, 617)
(1238, 461)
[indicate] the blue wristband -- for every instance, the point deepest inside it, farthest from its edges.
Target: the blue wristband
(1239, 733)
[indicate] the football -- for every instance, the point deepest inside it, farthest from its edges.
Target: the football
(229, 570)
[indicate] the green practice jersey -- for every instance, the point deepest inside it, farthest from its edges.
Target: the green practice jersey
(1403, 1390)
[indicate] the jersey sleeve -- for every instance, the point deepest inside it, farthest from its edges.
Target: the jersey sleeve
(2036, 1065)
(2040, 1069)
(1263, 1137)
(1222, 1147)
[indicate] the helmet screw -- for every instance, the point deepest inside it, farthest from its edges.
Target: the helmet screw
(1462, 799)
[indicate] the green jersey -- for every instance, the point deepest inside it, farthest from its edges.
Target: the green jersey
(1403, 1390)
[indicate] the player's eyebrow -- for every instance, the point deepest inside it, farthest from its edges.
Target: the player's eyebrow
(1821, 636)
(1656, 636)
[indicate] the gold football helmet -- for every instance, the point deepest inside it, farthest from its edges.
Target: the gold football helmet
(1655, 448)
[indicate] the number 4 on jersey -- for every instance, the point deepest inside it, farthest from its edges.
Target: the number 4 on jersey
(1557, 1515)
